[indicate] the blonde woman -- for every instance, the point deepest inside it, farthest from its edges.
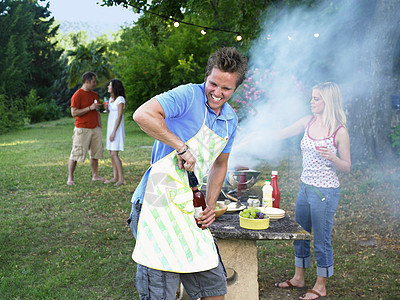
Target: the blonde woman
(116, 129)
(325, 148)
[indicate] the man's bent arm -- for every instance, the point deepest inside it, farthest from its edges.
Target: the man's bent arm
(150, 117)
(78, 112)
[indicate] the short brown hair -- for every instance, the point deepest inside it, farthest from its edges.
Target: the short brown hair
(88, 76)
(228, 59)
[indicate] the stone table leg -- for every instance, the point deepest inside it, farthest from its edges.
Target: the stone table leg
(240, 256)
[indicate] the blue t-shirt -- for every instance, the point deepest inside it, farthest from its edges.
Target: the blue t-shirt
(184, 108)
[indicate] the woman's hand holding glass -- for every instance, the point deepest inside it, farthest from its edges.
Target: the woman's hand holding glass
(320, 144)
(322, 148)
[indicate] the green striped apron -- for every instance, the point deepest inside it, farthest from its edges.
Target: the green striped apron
(168, 238)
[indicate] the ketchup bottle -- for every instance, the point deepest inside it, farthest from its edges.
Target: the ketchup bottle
(199, 202)
(276, 194)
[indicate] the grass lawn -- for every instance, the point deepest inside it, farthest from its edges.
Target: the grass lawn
(62, 242)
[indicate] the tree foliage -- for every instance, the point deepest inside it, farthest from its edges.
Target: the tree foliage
(154, 56)
(29, 60)
(91, 57)
(15, 21)
(246, 17)
(147, 69)
(81, 57)
(241, 16)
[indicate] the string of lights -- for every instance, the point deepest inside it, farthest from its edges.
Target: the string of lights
(177, 22)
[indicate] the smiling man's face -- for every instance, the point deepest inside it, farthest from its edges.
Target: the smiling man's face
(219, 88)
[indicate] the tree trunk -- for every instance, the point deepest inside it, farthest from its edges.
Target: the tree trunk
(369, 130)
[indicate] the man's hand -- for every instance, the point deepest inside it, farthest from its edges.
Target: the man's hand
(187, 161)
(207, 217)
(97, 105)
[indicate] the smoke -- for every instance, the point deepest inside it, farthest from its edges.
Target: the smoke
(302, 47)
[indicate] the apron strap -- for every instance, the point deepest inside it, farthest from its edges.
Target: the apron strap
(316, 190)
(226, 123)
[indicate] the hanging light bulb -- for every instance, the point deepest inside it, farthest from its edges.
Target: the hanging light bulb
(176, 24)
(238, 37)
(204, 31)
(316, 35)
(289, 37)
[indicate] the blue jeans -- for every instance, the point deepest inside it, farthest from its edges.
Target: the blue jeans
(316, 214)
(156, 284)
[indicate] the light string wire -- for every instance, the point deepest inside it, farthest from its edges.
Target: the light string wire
(204, 28)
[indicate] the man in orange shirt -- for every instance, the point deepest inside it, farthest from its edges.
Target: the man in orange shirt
(87, 132)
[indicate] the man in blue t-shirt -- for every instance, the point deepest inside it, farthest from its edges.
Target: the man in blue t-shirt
(173, 118)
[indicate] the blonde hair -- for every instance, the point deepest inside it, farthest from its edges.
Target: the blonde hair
(333, 115)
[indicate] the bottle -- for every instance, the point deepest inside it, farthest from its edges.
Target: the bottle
(105, 104)
(267, 194)
(276, 194)
(97, 108)
(199, 202)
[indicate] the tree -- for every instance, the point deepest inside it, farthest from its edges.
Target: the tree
(366, 38)
(370, 127)
(45, 65)
(243, 15)
(356, 48)
(92, 57)
(148, 67)
(29, 61)
(155, 56)
(61, 93)
(15, 55)
(28, 58)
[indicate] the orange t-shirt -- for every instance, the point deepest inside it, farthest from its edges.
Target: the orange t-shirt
(82, 99)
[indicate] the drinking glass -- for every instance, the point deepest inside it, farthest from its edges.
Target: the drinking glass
(319, 143)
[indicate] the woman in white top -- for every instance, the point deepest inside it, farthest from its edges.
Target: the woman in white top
(116, 129)
(325, 148)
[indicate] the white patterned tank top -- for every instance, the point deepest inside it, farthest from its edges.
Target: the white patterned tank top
(318, 171)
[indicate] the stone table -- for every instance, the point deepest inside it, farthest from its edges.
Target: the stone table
(238, 250)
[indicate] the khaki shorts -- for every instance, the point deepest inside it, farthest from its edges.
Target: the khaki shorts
(84, 140)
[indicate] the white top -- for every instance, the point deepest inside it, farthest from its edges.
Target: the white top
(317, 170)
(119, 139)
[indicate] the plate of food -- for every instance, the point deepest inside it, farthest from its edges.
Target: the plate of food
(233, 207)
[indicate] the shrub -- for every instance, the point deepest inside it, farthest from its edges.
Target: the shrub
(395, 138)
(10, 116)
(45, 112)
(39, 111)
(260, 87)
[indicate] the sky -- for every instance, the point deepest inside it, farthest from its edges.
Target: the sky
(102, 18)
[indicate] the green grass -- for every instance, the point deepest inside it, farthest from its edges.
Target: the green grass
(61, 242)
(368, 211)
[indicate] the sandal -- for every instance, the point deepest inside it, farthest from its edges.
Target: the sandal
(290, 285)
(312, 292)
